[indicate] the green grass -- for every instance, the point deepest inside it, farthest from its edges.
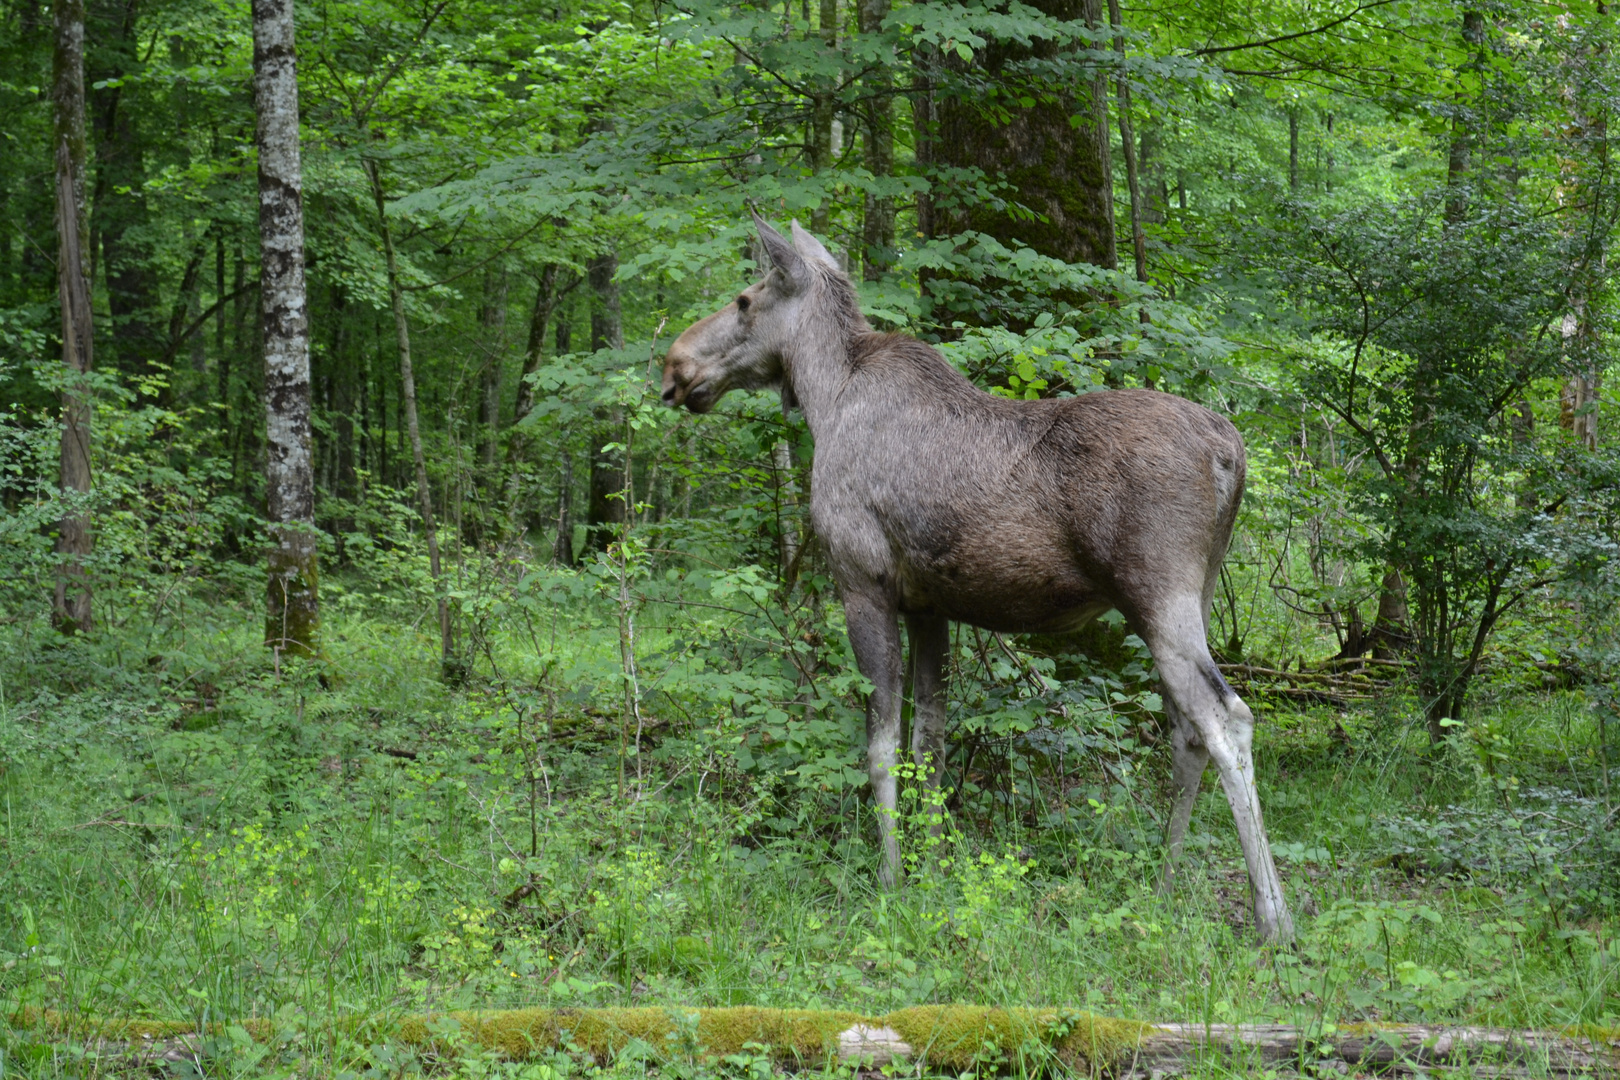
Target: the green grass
(187, 833)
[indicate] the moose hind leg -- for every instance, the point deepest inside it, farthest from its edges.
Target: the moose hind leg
(874, 633)
(1187, 762)
(1225, 726)
(930, 640)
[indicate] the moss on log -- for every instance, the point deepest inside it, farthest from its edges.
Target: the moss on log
(943, 1036)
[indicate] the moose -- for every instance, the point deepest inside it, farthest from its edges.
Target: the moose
(936, 501)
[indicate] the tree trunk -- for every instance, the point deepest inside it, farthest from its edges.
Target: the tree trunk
(1057, 169)
(823, 116)
(194, 312)
(562, 546)
(787, 510)
(877, 231)
(407, 384)
(606, 511)
(517, 444)
(220, 292)
(545, 302)
(1293, 151)
(70, 610)
(492, 318)
(293, 618)
(121, 216)
(1391, 634)
(1128, 145)
(1584, 173)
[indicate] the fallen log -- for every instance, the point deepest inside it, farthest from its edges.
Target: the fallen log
(952, 1037)
(1410, 1049)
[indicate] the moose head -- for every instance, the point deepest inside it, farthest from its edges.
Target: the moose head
(745, 345)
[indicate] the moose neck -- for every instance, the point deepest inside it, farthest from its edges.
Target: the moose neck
(818, 362)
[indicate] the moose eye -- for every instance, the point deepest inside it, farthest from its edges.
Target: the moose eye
(742, 304)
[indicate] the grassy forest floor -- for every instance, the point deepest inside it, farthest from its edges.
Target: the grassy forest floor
(188, 831)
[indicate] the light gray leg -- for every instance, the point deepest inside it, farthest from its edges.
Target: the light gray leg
(874, 633)
(930, 641)
(1225, 726)
(1187, 762)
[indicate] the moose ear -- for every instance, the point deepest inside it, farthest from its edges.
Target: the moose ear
(779, 251)
(811, 248)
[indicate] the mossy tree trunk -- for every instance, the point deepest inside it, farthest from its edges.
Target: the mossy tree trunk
(71, 609)
(1058, 169)
(292, 620)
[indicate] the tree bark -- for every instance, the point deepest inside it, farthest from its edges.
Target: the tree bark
(1584, 169)
(1293, 151)
(1128, 146)
(1057, 169)
(492, 319)
(787, 511)
(877, 229)
(292, 621)
(545, 302)
(562, 545)
(1391, 634)
(122, 220)
(71, 610)
(606, 511)
(823, 115)
(407, 383)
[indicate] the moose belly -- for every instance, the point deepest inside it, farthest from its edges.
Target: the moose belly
(1012, 597)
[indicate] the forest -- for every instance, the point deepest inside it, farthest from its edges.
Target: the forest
(376, 646)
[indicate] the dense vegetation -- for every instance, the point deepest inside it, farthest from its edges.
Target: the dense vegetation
(603, 743)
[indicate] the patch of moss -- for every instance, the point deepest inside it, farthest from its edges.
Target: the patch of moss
(948, 1036)
(81, 1026)
(956, 1036)
(519, 1033)
(1599, 1035)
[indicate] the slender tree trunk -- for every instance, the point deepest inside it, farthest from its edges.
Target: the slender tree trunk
(545, 302)
(220, 292)
(1293, 151)
(606, 511)
(924, 129)
(122, 218)
(823, 115)
(1128, 146)
(71, 606)
(562, 546)
(787, 510)
(407, 382)
(292, 621)
(492, 317)
(194, 309)
(517, 441)
(877, 233)
(1584, 169)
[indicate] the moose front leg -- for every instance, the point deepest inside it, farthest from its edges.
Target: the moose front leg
(874, 633)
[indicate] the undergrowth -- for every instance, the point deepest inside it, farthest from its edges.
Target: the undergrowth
(192, 831)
